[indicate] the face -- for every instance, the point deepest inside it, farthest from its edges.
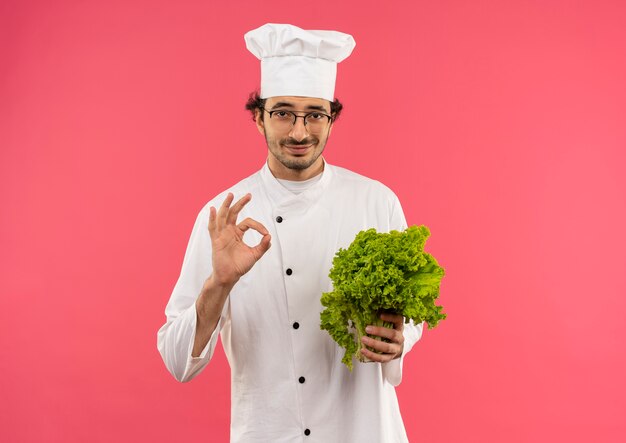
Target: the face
(294, 148)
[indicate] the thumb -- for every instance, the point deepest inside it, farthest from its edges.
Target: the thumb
(263, 246)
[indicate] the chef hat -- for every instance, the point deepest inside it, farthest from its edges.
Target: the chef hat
(296, 61)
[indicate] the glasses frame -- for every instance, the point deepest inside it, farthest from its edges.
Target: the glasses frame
(296, 116)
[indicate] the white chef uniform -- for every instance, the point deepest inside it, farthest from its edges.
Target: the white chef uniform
(288, 382)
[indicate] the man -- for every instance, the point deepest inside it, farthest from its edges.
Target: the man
(261, 293)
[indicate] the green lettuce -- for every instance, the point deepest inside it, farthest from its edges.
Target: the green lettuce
(380, 272)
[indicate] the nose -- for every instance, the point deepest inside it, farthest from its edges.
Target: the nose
(299, 131)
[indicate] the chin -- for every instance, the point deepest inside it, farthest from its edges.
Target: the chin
(297, 166)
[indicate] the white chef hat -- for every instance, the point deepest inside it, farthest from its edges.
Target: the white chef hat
(296, 61)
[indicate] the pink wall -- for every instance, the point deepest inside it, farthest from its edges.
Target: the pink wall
(500, 125)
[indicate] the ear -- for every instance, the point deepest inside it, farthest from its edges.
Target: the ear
(258, 119)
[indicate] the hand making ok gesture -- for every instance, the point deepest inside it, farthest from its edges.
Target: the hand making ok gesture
(232, 258)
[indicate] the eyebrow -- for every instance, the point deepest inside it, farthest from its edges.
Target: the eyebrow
(290, 105)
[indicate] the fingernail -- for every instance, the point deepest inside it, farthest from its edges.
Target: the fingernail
(368, 329)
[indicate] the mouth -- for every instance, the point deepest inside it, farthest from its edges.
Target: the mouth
(298, 149)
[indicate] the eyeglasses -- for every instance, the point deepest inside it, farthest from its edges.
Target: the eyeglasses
(314, 120)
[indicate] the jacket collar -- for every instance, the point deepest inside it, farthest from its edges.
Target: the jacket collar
(282, 197)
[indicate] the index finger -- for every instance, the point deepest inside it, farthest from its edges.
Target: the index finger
(251, 223)
(396, 319)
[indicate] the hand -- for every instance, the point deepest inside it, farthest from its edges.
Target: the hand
(232, 258)
(389, 350)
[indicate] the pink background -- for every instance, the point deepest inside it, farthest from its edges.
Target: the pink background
(499, 124)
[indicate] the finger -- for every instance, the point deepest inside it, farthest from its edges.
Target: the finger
(391, 334)
(396, 319)
(381, 346)
(374, 356)
(212, 222)
(251, 223)
(223, 212)
(231, 218)
(392, 347)
(263, 246)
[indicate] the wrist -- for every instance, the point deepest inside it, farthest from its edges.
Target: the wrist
(221, 282)
(212, 296)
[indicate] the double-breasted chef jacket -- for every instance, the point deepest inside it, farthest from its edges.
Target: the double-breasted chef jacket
(288, 382)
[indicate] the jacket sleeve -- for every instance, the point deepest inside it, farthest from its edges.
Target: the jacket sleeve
(392, 371)
(175, 338)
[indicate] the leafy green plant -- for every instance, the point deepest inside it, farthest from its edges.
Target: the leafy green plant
(380, 272)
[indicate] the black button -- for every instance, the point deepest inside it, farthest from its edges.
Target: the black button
(307, 432)
(301, 379)
(296, 325)
(289, 271)
(279, 219)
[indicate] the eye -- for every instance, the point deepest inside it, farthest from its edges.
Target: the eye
(316, 116)
(281, 114)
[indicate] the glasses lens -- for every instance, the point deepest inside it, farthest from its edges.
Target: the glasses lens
(282, 116)
(282, 119)
(316, 120)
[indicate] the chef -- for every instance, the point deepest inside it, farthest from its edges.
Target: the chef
(258, 259)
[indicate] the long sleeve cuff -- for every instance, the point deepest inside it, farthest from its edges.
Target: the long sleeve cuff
(196, 364)
(392, 371)
(175, 343)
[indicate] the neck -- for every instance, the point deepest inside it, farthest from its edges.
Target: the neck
(284, 173)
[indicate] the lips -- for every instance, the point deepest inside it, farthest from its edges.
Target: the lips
(298, 149)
